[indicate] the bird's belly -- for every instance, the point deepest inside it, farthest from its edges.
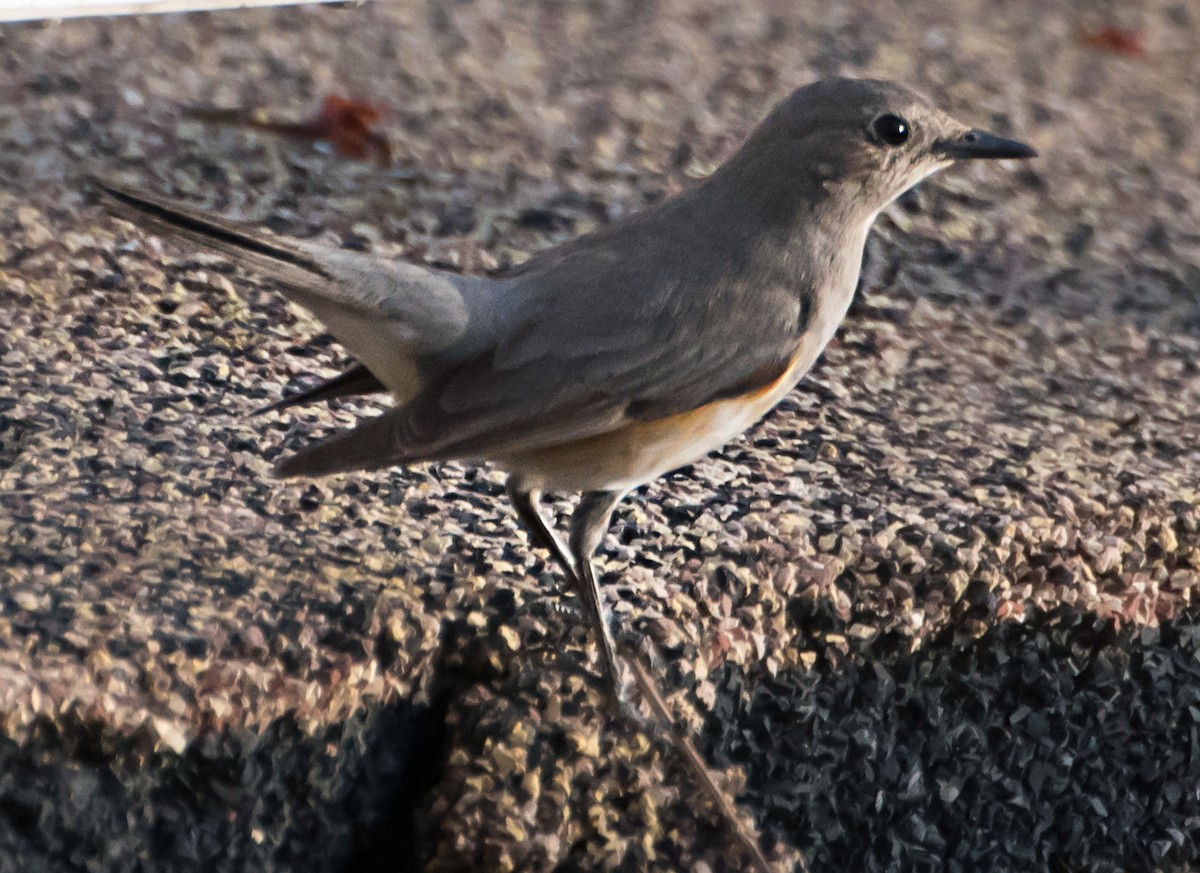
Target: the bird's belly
(640, 451)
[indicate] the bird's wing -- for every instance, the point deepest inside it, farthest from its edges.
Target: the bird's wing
(593, 336)
(637, 366)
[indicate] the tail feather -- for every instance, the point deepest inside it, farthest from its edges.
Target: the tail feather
(357, 380)
(373, 444)
(392, 316)
(282, 261)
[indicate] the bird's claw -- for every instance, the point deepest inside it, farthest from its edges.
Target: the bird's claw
(553, 606)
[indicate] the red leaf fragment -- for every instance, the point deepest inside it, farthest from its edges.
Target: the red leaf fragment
(1118, 40)
(347, 125)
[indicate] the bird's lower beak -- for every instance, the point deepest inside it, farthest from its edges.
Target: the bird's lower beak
(977, 144)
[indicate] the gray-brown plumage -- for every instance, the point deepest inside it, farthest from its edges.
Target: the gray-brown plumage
(618, 356)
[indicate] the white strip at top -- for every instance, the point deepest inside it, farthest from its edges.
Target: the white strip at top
(34, 10)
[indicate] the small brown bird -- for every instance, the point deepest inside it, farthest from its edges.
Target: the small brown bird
(624, 354)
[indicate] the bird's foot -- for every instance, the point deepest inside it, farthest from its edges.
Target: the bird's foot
(626, 701)
(558, 607)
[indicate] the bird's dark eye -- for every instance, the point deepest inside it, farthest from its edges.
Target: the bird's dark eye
(891, 130)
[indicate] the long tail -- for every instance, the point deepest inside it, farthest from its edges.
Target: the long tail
(271, 256)
(389, 314)
(276, 258)
(355, 381)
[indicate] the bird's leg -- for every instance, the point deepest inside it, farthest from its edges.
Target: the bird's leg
(587, 530)
(526, 502)
(669, 731)
(588, 527)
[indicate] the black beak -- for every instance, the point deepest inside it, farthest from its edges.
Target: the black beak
(977, 144)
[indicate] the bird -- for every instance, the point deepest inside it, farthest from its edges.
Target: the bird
(621, 355)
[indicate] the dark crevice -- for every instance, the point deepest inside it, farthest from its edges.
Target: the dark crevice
(390, 843)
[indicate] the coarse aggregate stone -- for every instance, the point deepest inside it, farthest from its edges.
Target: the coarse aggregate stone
(937, 612)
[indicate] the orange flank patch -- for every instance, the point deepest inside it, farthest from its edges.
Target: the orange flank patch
(642, 450)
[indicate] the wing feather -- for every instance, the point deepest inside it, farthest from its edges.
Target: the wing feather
(590, 342)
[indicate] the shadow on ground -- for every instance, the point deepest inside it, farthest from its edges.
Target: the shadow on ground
(1057, 744)
(282, 800)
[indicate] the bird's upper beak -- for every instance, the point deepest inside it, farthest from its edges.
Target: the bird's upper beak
(978, 144)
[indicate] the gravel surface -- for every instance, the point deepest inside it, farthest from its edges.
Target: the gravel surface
(936, 613)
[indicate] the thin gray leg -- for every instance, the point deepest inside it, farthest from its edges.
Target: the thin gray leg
(527, 502)
(588, 527)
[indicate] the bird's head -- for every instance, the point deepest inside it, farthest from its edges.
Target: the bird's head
(858, 143)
